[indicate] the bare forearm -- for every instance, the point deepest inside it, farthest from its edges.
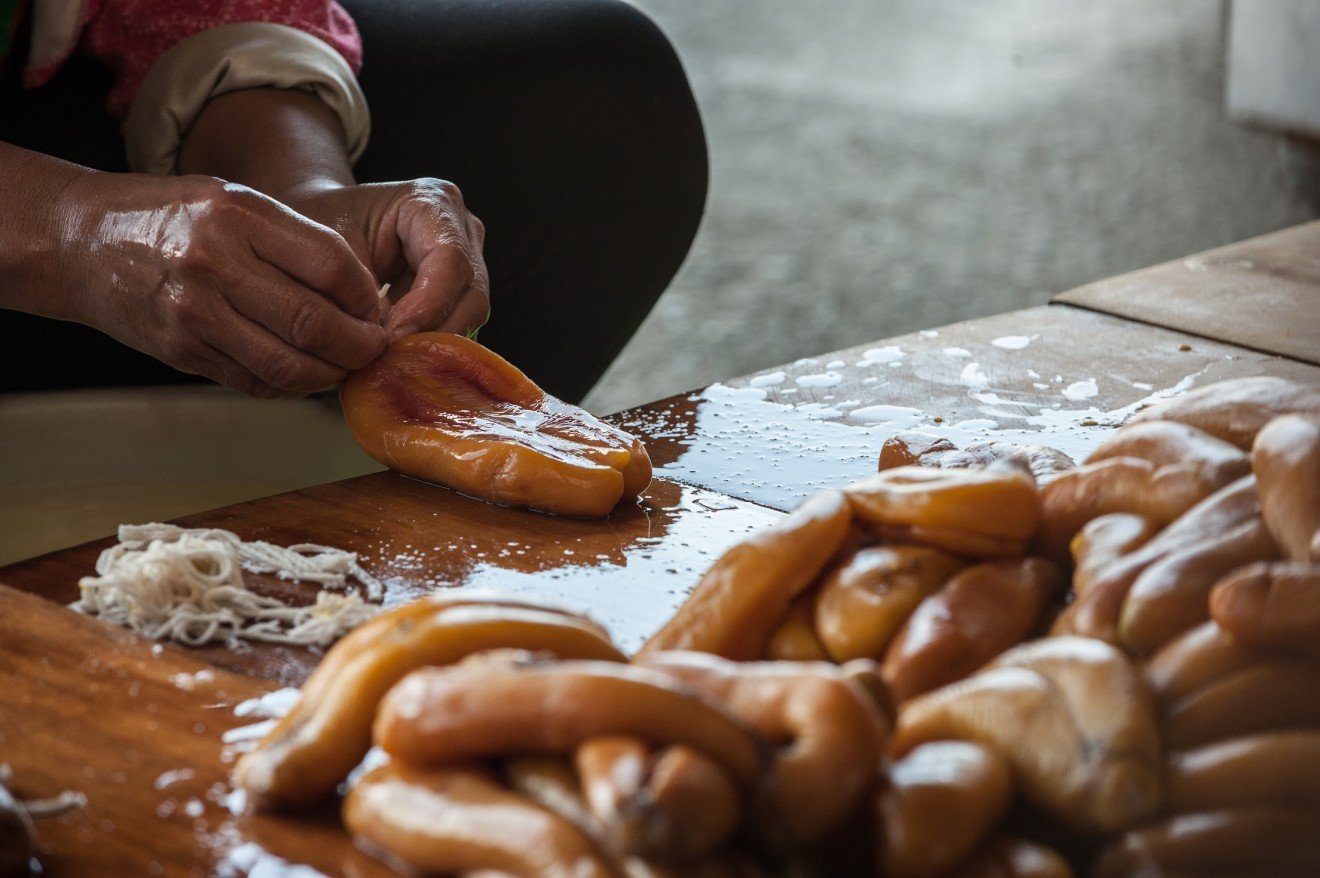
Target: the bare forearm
(278, 141)
(417, 235)
(36, 224)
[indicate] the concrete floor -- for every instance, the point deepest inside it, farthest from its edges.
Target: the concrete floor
(880, 166)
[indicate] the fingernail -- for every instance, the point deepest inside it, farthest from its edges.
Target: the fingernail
(400, 331)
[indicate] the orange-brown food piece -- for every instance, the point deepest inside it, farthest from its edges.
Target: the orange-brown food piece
(1010, 857)
(551, 782)
(1072, 716)
(1118, 484)
(976, 615)
(1270, 769)
(915, 448)
(1097, 610)
(864, 601)
(316, 745)
(1197, 658)
(794, 639)
(671, 805)
(1277, 694)
(441, 407)
(459, 819)
(1278, 842)
(1271, 606)
(1103, 541)
(1286, 458)
(1170, 443)
(744, 596)
(1173, 594)
(938, 805)
(436, 716)
(1236, 410)
(829, 731)
(979, 513)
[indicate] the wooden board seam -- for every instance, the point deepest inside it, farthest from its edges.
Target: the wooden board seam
(1055, 301)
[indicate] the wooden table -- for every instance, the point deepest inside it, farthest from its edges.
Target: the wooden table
(1262, 294)
(139, 730)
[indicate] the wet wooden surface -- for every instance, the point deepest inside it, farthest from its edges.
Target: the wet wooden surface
(1055, 375)
(1263, 293)
(628, 571)
(137, 728)
(92, 708)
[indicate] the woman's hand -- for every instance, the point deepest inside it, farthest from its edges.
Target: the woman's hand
(417, 236)
(215, 279)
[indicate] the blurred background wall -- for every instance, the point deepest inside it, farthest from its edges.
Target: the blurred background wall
(881, 166)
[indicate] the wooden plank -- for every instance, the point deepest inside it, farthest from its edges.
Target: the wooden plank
(137, 728)
(1262, 294)
(1054, 375)
(629, 571)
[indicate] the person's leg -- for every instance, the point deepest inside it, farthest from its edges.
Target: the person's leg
(571, 130)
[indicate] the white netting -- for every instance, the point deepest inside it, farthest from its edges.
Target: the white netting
(168, 582)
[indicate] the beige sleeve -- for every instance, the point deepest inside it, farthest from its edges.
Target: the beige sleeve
(229, 58)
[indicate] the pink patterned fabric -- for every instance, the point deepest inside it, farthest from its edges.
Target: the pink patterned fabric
(129, 35)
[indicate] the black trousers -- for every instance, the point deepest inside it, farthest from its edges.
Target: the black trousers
(568, 125)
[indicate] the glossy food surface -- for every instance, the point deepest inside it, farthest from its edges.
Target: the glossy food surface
(443, 408)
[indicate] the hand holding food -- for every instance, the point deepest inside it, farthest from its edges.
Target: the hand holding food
(211, 277)
(419, 237)
(443, 408)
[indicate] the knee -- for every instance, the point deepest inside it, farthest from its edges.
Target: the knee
(617, 30)
(633, 93)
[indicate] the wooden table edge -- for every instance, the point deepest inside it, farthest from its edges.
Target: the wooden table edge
(1059, 301)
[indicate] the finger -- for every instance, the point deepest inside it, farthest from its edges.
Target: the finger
(196, 357)
(305, 320)
(318, 257)
(476, 231)
(223, 369)
(272, 361)
(469, 315)
(442, 276)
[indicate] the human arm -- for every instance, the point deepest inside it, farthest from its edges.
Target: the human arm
(209, 277)
(416, 235)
